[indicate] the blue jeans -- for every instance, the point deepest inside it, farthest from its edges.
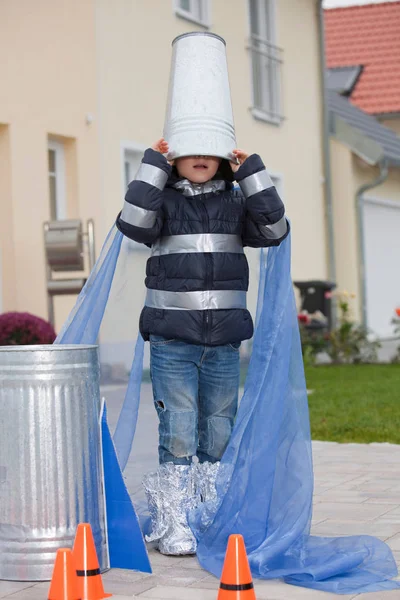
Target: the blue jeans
(195, 391)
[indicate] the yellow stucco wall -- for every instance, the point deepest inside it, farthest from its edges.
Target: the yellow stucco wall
(393, 124)
(349, 173)
(389, 190)
(48, 72)
(7, 252)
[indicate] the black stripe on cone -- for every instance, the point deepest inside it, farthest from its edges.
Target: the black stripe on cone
(242, 587)
(89, 573)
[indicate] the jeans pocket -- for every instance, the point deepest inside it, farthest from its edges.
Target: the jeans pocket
(159, 340)
(235, 346)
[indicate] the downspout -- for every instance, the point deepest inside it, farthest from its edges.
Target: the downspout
(383, 173)
(331, 260)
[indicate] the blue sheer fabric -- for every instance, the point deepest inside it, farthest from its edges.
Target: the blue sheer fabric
(265, 484)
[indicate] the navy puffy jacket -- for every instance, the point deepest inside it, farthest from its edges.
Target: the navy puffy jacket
(197, 276)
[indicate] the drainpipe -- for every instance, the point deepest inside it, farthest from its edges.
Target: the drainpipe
(383, 173)
(326, 159)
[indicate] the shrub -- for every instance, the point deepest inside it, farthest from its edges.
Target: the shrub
(17, 329)
(314, 338)
(348, 343)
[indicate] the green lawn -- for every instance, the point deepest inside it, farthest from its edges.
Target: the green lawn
(355, 403)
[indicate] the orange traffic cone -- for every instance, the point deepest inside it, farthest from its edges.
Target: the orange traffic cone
(236, 581)
(90, 584)
(64, 582)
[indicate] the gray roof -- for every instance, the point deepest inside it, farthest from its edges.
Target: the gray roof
(366, 125)
(342, 79)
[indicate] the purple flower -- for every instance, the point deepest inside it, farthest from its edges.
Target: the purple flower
(18, 329)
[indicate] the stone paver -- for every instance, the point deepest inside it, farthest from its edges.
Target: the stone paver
(357, 491)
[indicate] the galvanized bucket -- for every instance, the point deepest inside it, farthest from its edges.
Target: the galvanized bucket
(199, 118)
(50, 456)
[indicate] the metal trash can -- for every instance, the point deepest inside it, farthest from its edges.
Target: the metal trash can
(50, 456)
(316, 296)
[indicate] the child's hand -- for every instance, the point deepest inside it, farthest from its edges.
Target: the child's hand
(241, 156)
(162, 146)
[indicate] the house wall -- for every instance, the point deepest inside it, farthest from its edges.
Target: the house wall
(48, 71)
(348, 174)
(393, 124)
(345, 223)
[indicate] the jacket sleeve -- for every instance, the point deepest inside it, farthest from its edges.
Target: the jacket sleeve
(141, 217)
(265, 222)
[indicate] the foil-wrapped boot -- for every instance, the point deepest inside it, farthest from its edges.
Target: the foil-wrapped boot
(151, 484)
(171, 494)
(206, 475)
(205, 480)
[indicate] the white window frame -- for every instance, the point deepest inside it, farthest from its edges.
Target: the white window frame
(61, 195)
(127, 145)
(191, 15)
(265, 45)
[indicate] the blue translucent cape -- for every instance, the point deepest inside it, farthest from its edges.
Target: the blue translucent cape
(265, 484)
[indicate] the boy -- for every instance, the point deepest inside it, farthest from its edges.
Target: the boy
(195, 313)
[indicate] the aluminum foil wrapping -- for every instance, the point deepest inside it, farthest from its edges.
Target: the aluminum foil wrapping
(206, 476)
(171, 494)
(151, 484)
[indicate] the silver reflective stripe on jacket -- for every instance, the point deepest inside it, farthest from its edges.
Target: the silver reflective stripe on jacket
(275, 231)
(197, 242)
(152, 175)
(139, 217)
(203, 300)
(255, 183)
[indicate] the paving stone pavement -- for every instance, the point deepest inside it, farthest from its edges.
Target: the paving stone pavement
(357, 491)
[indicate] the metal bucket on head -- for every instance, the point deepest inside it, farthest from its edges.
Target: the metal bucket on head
(50, 456)
(199, 118)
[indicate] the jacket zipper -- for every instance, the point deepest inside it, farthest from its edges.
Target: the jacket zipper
(208, 277)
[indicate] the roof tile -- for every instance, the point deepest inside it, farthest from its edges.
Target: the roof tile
(368, 35)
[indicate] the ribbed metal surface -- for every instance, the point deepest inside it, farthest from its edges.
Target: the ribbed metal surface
(50, 458)
(199, 118)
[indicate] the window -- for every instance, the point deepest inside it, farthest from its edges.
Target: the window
(266, 60)
(197, 11)
(56, 167)
(132, 159)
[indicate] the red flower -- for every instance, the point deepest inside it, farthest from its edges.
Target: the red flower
(303, 318)
(398, 312)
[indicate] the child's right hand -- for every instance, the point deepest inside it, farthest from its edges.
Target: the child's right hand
(162, 146)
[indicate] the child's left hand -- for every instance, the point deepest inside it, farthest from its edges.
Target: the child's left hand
(241, 156)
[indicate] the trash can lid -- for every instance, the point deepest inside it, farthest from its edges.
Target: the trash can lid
(324, 285)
